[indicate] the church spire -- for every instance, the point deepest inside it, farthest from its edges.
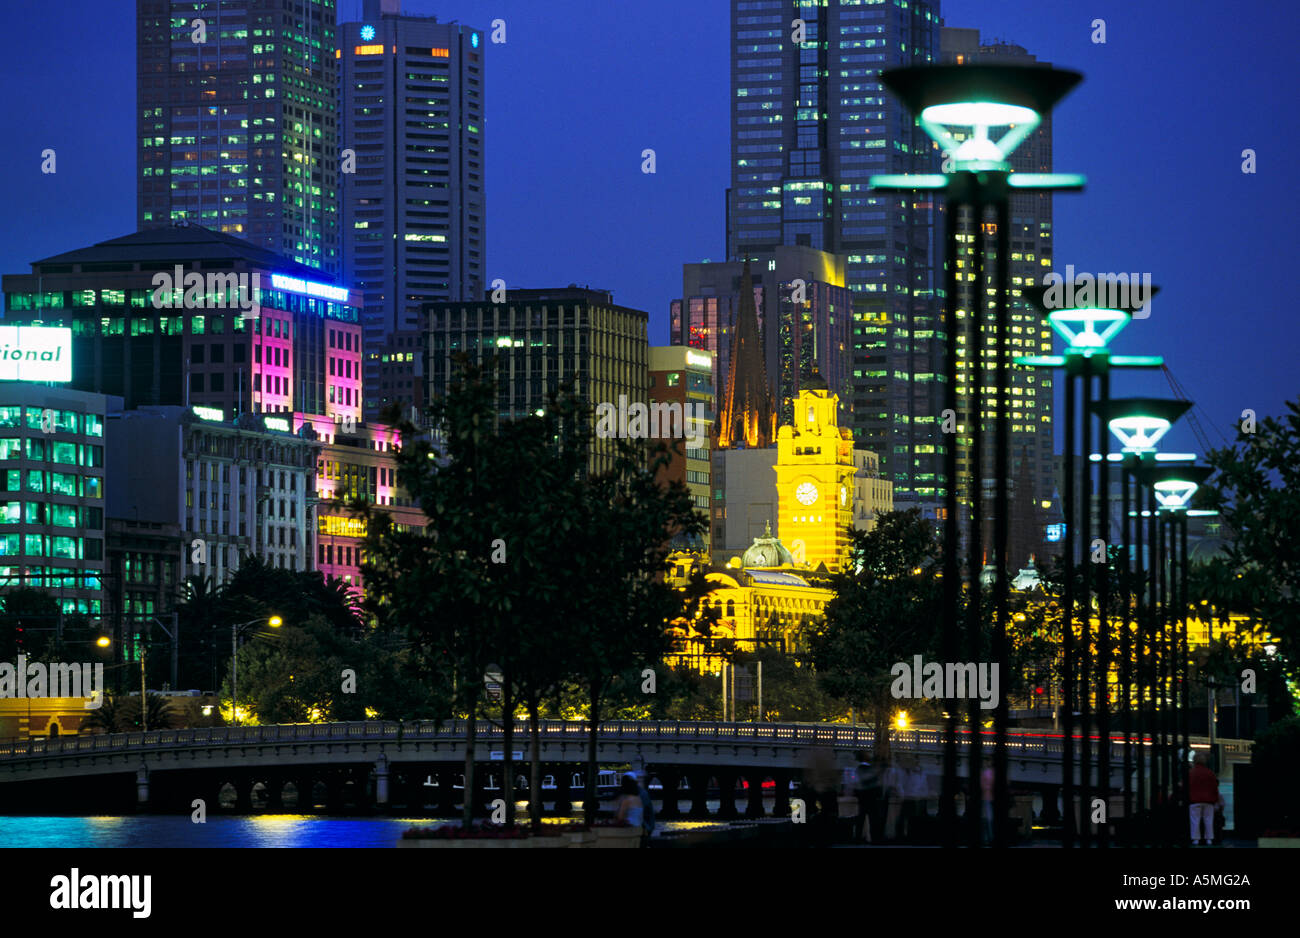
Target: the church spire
(748, 415)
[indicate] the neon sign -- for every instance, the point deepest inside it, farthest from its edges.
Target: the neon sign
(309, 287)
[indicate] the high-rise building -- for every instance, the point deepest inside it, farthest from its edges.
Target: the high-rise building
(804, 314)
(166, 317)
(355, 462)
(411, 137)
(810, 124)
(52, 502)
(236, 122)
(682, 378)
(543, 339)
(1028, 400)
(231, 488)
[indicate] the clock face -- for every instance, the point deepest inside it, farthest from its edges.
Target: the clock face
(806, 493)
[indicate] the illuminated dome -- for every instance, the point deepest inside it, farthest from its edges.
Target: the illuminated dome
(766, 551)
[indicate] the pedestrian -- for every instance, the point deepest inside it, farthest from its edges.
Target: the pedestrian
(867, 791)
(892, 781)
(630, 809)
(1203, 798)
(916, 794)
(986, 799)
(647, 806)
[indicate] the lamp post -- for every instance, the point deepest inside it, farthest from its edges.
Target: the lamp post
(958, 106)
(1139, 423)
(274, 622)
(1173, 487)
(1087, 329)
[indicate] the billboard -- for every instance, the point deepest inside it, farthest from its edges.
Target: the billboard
(35, 353)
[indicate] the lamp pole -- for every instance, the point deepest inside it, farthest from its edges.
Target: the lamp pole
(977, 99)
(274, 622)
(1087, 329)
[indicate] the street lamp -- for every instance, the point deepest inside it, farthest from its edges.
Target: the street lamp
(1087, 329)
(274, 622)
(960, 106)
(1139, 423)
(1173, 487)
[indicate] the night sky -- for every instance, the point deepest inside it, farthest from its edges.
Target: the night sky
(581, 88)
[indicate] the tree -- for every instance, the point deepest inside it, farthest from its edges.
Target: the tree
(887, 608)
(439, 585)
(620, 599)
(1257, 490)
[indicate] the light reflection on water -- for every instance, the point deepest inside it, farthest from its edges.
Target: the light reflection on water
(264, 830)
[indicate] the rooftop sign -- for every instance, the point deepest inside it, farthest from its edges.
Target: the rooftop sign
(309, 287)
(35, 353)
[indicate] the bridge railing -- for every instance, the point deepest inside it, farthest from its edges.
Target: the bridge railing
(809, 734)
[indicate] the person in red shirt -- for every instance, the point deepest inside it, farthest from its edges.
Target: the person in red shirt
(1203, 798)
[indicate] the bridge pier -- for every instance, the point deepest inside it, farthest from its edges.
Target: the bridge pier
(142, 787)
(334, 794)
(306, 798)
(755, 806)
(446, 793)
(275, 793)
(243, 795)
(727, 795)
(781, 797)
(563, 805)
(381, 783)
(670, 778)
(699, 796)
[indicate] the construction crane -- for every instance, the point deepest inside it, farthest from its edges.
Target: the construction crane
(1192, 419)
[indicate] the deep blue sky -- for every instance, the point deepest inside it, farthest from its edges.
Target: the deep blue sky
(581, 87)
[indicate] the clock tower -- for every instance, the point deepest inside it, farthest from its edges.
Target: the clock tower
(814, 479)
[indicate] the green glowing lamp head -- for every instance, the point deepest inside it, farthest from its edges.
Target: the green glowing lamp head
(1084, 326)
(958, 105)
(1174, 486)
(1140, 422)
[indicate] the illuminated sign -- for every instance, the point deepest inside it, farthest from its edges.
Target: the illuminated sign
(277, 423)
(35, 353)
(367, 32)
(1056, 532)
(209, 413)
(473, 40)
(311, 288)
(697, 358)
(334, 526)
(369, 50)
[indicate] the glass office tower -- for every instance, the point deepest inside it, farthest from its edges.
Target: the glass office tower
(235, 122)
(810, 124)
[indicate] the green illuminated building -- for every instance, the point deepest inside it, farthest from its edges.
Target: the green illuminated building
(236, 122)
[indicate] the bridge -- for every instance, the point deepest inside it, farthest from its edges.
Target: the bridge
(380, 764)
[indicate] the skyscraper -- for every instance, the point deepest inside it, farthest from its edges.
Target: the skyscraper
(810, 124)
(414, 228)
(1028, 401)
(804, 316)
(235, 122)
(543, 339)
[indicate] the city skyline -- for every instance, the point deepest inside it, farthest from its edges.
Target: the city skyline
(1130, 217)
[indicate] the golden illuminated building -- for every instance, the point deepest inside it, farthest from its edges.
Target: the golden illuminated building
(759, 600)
(815, 484)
